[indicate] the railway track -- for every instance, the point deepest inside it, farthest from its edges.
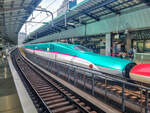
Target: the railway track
(133, 98)
(55, 97)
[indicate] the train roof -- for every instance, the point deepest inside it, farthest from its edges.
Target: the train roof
(56, 43)
(64, 44)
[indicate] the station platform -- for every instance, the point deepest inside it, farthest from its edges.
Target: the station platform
(9, 100)
(26, 103)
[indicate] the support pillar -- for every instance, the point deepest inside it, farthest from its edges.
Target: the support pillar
(128, 42)
(108, 44)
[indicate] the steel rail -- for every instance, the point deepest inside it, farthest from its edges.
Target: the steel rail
(94, 89)
(47, 79)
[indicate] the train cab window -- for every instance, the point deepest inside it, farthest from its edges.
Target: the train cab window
(48, 49)
(83, 49)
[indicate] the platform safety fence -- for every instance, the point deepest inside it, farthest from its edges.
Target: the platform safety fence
(141, 58)
(103, 86)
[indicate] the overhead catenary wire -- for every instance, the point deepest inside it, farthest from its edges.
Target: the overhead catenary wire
(40, 13)
(84, 6)
(54, 12)
(46, 7)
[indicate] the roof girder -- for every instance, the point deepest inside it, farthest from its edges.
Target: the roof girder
(105, 4)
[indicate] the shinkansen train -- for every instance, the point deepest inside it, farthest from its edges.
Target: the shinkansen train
(79, 55)
(141, 73)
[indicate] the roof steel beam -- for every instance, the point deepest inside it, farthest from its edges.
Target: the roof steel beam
(81, 22)
(86, 11)
(100, 4)
(11, 23)
(92, 16)
(112, 10)
(14, 16)
(56, 29)
(53, 29)
(11, 9)
(124, 2)
(96, 6)
(10, 19)
(16, 5)
(63, 27)
(60, 27)
(73, 26)
(47, 31)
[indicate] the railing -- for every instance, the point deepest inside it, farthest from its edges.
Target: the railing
(141, 58)
(97, 83)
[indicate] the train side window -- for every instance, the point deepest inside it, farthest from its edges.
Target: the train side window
(51, 47)
(83, 49)
(48, 49)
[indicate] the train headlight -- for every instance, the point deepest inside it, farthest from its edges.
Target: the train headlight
(91, 66)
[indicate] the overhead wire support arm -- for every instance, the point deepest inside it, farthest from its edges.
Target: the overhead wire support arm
(44, 10)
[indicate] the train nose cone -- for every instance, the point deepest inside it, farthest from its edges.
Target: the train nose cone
(141, 72)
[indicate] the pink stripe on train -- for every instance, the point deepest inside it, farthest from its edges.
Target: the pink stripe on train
(55, 52)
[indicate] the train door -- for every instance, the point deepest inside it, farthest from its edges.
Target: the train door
(53, 51)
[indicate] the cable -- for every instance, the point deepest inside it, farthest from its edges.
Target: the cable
(47, 16)
(53, 12)
(51, 3)
(46, 8)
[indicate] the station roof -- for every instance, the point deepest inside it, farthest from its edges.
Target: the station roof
(86, 12)
(13, 14)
